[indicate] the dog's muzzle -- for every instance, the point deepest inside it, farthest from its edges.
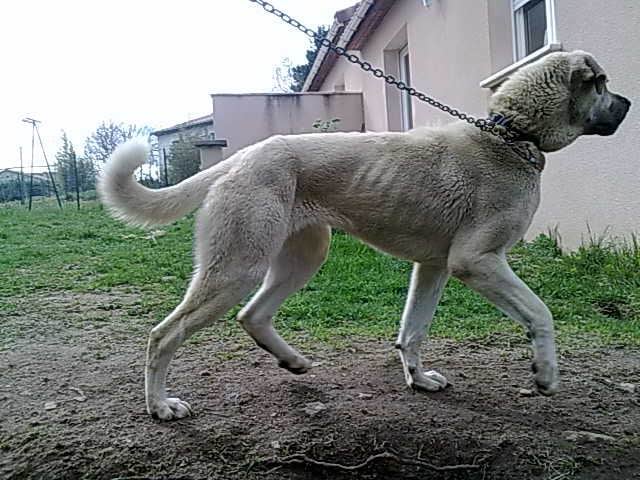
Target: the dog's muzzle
(607, 123)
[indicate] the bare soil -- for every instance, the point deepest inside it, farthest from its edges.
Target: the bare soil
(71, 390)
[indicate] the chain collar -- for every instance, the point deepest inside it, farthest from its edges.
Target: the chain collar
(511, 137)
(519, 141)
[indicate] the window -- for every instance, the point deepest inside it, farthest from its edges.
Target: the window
(405, 76)
(533, 26)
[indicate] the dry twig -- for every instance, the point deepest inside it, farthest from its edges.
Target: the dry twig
(302, 458)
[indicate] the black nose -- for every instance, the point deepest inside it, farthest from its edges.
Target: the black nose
(625, 101)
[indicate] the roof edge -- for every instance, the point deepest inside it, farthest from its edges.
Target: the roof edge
(206, 119)
(344, 38)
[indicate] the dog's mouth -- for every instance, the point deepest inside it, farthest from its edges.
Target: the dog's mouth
(603, 129)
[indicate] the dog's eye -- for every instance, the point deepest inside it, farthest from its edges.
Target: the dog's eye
(601, 81)
(598, 82)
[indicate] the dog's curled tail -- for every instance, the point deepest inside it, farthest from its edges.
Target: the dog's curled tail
(139, 205)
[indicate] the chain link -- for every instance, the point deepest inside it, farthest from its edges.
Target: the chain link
(485, 124)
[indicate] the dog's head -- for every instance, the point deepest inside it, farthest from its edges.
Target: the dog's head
(558, 98)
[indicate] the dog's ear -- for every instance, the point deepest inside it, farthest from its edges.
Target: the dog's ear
(585, 69)
(599, 74)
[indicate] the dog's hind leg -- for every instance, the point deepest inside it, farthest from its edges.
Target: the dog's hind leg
(204, 303)
(427, 284)
(235, 241)
(300, 257)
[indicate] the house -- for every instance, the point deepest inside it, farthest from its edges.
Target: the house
(202, 128)
(15, 185)
(458, 51)
(9, 176)
(246, 118)
(198, 127)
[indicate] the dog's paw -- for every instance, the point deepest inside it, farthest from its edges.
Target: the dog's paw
(169, 409)
(546, 377)
(297, 366)
(430, 381)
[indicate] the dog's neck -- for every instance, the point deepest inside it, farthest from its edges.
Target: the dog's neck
(519, 134)
(535, 158)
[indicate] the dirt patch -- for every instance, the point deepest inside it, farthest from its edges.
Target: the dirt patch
(73, 408)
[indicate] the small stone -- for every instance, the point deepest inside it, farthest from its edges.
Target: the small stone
(275, 445)
(314, 408)
(274, 414)
(525, 392)
(316, 364)
(50, 405)
(627, 387)
(365, 396)
(205, 373)
(574, 436)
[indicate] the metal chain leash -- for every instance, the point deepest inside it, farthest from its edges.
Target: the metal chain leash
(509, 135)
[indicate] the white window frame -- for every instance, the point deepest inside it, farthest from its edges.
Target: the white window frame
(406, 105)
(518, 28)
(552, 45)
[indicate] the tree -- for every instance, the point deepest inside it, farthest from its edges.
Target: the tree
(299, 73)
(289, 78)
(184, 159)
(100, 144)
(67, 164)
(324, 126)
(87, 174)
(151, 173)
(282, 78)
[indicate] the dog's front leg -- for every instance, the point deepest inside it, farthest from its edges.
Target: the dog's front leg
(427, 284)
(490, 275)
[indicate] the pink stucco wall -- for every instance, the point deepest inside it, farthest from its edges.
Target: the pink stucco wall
(244, 119)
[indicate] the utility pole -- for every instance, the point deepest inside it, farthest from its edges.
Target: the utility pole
(166, 173)
(33, 139)
(21, 179)
(77, 182)
(34, 130)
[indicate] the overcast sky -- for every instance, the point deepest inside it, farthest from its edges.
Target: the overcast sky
(73, 63)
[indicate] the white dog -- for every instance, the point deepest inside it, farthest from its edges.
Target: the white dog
(452, 199)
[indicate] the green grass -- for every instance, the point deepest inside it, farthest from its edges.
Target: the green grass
(594, 292)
